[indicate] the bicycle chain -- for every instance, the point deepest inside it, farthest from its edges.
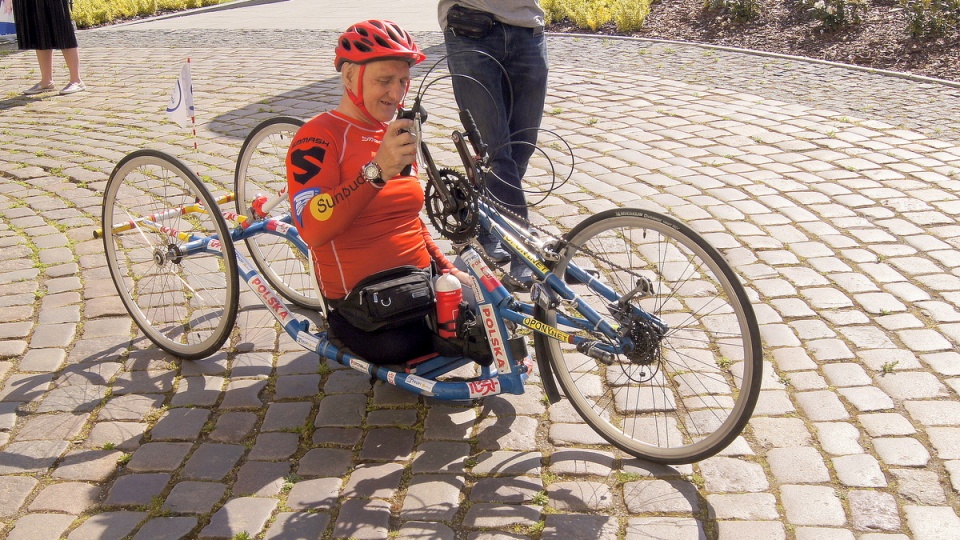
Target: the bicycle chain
(492, 201)
(470, 234)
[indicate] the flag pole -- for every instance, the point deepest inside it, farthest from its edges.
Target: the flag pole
(193, 123)
(181, 108)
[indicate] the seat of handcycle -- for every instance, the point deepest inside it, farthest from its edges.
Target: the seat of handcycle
(470, 346)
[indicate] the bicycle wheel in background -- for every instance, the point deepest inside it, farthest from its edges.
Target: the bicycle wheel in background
(261, 171)
(186, 303)
(683, 394)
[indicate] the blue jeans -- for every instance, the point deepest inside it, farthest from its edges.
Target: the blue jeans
(507, 122)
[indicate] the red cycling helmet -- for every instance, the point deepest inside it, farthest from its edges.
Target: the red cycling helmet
(376, 40)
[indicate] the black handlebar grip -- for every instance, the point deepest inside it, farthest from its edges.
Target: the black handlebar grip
(473, 134)
(409, 114)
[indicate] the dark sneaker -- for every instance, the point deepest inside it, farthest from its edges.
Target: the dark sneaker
(520, 278)
(492, 247)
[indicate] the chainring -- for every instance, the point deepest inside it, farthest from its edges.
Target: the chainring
(456, 221)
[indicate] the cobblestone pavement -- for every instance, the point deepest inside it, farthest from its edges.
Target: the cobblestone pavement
(833, 192)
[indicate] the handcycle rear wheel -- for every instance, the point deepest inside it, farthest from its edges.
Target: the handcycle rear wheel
(183, 299)
(261, 170)
(686, 393)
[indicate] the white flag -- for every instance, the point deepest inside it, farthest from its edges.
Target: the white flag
(180, 107)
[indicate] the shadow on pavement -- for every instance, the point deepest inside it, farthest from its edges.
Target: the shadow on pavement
(304, 102)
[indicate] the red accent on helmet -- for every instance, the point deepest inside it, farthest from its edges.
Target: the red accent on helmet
(376, 40)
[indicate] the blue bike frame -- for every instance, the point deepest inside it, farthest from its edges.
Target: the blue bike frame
(495, 305)
(506, 375)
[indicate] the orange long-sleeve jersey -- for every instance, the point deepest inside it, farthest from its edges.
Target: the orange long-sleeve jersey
(353, 228)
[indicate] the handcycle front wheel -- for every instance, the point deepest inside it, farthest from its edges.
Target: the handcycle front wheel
(262, 171)
(170, 255)
(687, 390)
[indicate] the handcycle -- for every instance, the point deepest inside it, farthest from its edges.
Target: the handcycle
(642, 324)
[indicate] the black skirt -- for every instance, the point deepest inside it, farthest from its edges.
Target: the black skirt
(44, 24)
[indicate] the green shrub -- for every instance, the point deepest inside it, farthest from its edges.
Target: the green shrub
(836, 13)
(741, 10)
(627, 15)
(932, 18)
(87, 13)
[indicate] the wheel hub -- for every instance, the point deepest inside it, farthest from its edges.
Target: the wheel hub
(169, 253)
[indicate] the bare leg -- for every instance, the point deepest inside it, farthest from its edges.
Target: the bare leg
(45, 59)
(72, 56)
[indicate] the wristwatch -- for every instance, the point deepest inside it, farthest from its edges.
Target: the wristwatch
(371, 173)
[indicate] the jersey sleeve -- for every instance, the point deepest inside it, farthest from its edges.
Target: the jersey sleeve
(324, 200)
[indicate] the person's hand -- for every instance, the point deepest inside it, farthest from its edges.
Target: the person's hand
(464, 277)
(398, 149)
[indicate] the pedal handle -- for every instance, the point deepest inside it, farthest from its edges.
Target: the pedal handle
(592, 349)
(473, 134)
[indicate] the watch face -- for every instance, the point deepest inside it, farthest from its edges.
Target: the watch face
(371, 171)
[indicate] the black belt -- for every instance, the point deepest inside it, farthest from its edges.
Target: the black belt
(537, 30)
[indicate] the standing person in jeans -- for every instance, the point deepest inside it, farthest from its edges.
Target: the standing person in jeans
(44, 25)
(511, 32)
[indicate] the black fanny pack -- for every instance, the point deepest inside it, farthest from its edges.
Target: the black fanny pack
(471, 23)
(388, 299)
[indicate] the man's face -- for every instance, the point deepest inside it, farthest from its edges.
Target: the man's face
(384, 87)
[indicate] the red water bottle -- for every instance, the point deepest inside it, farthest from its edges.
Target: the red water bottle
(449, 296)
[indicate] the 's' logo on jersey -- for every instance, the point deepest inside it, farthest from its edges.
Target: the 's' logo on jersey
(307, 160)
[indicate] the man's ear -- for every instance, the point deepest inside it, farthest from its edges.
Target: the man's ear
(348, 74)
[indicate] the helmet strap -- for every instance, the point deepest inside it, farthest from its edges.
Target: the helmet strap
(357, 98)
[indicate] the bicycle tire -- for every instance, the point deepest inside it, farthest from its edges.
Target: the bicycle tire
(702, 383)
(186, 304)
(261, 169)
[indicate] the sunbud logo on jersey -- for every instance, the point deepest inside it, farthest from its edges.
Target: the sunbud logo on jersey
(321, 206)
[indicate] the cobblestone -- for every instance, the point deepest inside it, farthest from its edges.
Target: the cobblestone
(832, 191)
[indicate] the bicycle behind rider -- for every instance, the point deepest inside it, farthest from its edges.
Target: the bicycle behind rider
(354, 209)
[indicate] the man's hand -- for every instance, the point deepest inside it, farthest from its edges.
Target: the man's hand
(464, 277)
(398, 149)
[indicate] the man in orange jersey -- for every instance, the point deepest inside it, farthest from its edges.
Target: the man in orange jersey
(355, 210)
